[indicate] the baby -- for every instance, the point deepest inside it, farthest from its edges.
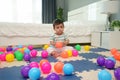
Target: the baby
(58, 40)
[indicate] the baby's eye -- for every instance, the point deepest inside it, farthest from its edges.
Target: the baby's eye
(57, 27)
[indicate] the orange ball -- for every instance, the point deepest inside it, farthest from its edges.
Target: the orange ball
(59, 44)
(58, 67)
(117, 56)
(43, 61)
(64, 54)
(113, 51)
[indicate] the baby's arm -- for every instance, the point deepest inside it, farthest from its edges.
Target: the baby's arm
(66, 42)
(52, 43)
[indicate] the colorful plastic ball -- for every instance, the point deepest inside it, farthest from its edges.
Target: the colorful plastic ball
(2, 49)
(69, 53)
(104, 75)
(27, 51)
(25, 70)
(46, 67)
(68, 69)
(20, 46)
(3, 57)
(53, 76)
(27, 57)
(59, 44)
(43, 61)
(19, 56)
(117, 73)
(21, 50)
(64, 54)
(16, 52)
(1, 52)
(112, 58)
(113, 51)
(109, 64)
(9, 57)
(15, 49)
(34, 64)
(9, 48)
(58, 67)
(87, 48)
(78, 47)
(101, 61)
(30, 47)
(44, 54)
(74, 52)
(45, 46)
(34, 74)
(33, 53)
(117, 56)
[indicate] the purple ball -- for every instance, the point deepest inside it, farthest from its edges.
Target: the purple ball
(101, 61)
(117, 73)
(53, 76)
(9, 48)
(25, 71)
(109, 64)
(27, 57)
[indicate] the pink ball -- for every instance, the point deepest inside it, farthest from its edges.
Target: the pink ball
(30, 47)
(44, 54)
(2, 56)
(33, 53)
(34, 64)
(2, 50)
(46, 67)
(74, 52)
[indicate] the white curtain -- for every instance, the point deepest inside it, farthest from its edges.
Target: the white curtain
(21, 11)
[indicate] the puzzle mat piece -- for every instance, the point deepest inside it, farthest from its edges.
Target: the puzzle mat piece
(16, 63)
(93, 74)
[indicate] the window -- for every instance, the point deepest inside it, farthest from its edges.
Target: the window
(21, 11)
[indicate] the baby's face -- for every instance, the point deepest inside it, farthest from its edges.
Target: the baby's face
(59, 29)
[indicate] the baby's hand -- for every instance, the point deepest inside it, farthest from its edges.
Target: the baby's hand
(55, 54)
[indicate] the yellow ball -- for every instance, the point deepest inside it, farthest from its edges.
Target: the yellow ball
(9, 57)
(45, 46)
(86, 48)
(69, 53)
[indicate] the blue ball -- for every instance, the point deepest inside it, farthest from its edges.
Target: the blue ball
(27, 51)
(20, 46)
(112, 58)
(104, 75)
(68, 69)
(34, 73)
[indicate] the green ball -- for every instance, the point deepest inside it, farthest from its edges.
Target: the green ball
(1, 52)
(16, 52)
(78, 47)
(19, 56)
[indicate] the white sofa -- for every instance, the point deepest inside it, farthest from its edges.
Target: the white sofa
(38, 34)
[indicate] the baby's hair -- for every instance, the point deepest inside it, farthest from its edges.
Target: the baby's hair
(57, 22)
